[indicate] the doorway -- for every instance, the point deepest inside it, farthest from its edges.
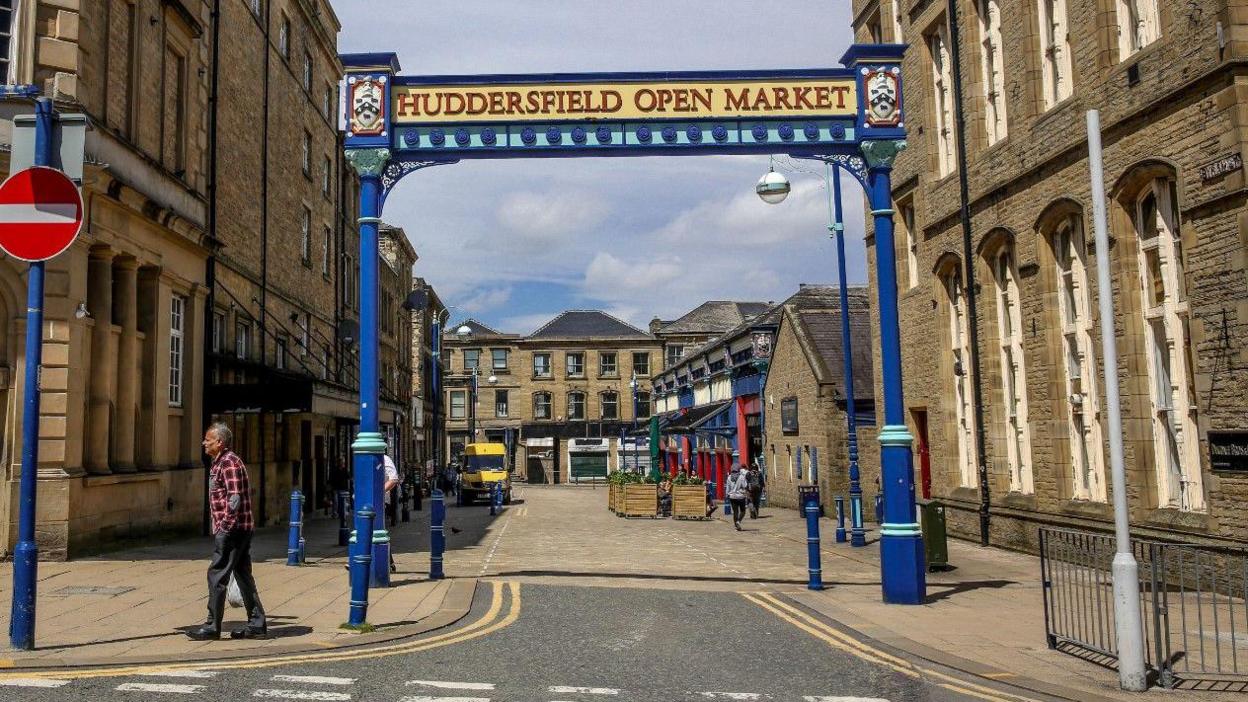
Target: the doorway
(924, 455)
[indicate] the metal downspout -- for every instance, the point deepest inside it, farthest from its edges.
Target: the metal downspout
(968, 253)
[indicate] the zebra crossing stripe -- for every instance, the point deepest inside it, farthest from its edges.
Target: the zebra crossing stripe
(732, 695)
(424, 698)
(160, 687)
(825, 698)
(446, 685)
(203, 674)
(313, 679)
(584, 690)
(303, 695)
(32, 682)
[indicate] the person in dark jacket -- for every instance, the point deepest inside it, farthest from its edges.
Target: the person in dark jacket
(754, 477)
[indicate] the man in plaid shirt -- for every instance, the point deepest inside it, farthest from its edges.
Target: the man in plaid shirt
(229, 498)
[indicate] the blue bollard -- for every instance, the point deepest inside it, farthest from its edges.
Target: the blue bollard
(840, 519)
(437, 538)
(296, 526)
(812, 540)
(498, 496)
(361, 564)
(344, 532)
(857, 534)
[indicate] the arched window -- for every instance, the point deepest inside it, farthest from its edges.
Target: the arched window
(1013, 372)
(541, 405)
(609, 402)
(1168, 346)
(1074, 309)
(576, 406)
(960, 355)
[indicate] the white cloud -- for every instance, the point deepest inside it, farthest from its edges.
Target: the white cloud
(548, 218)
(485, 300)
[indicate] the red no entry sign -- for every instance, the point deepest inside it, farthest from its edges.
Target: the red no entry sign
(40, 213)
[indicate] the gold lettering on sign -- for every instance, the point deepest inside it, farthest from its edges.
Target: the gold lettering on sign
(805, 97)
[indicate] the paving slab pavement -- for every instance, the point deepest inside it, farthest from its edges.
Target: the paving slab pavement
(135, 605)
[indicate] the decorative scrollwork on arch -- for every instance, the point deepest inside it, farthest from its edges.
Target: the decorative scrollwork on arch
(395, 171)
(852, 164)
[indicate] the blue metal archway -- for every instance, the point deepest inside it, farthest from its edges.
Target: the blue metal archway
(852, 117)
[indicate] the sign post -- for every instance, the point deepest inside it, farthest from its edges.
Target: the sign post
(40, 216)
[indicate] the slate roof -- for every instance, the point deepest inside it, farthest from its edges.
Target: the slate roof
(817, 308)
(714, 317)
(479, 330)
(575, 324)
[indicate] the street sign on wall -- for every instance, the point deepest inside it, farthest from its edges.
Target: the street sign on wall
(40, 213)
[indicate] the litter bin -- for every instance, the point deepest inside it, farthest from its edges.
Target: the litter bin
(935, 540)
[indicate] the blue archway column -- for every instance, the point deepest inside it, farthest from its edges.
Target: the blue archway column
(369, 443)
(902, 567)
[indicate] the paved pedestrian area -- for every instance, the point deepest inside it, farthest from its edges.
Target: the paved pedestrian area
(691, 596)
(137, 604)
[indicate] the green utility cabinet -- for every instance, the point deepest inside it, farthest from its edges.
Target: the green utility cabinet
(935, 539)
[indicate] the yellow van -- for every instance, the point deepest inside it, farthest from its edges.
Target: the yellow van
(484, 465)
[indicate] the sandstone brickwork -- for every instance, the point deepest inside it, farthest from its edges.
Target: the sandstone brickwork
(1166, 110)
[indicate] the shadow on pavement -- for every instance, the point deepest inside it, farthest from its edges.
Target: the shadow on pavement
(949, 590)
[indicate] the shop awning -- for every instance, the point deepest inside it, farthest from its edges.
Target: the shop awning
(695, 417)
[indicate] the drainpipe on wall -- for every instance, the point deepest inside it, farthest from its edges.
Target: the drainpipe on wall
(264, 248)
(968, 253)
(210, 266)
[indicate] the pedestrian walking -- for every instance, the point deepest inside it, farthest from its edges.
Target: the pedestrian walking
(229, 498)
(389, 488)
(754, 479)
(737, 488)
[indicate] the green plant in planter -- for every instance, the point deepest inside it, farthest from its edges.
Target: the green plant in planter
(650, 480)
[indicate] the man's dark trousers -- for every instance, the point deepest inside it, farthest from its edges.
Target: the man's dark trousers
(232, 555)
(738, 510)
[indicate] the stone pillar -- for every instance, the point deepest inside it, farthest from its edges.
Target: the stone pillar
(126, 315)
(99, 390)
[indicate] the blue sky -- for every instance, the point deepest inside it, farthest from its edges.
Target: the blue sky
(513, 243)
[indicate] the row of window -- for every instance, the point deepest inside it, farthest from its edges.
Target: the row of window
(573, 363)
(1138, 24)
(305, 242)
(1161, 286)
(304, 347)
(543, 405)
(284, 44)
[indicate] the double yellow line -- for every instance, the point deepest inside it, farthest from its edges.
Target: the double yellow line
(494, 619)
(865, 651)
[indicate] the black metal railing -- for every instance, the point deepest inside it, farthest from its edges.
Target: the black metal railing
(1193, 600)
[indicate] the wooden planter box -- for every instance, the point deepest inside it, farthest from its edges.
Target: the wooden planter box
(615, 498)
(689, 502)
(640, 500)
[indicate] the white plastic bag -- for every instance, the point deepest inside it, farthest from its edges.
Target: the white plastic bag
(233, 595)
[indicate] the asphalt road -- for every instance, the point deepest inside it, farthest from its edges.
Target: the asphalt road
(567, 643)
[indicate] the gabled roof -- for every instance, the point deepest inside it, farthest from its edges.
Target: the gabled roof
(815, 313)
(479, 330)
(714, 317)
(574, 324)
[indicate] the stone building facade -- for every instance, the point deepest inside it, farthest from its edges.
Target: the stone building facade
(805, 427)
(681, 336)
(427, 429)
(1164, 76)
(561, 395)
(121, 405)
(283, 367)
(395, 336)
